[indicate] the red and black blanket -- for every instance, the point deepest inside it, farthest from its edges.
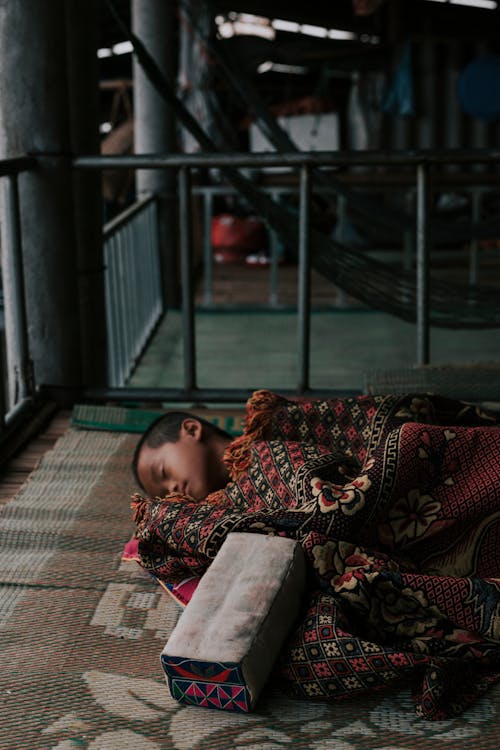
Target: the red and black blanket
(396, 503)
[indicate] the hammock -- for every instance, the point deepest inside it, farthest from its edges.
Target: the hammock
(371, 281)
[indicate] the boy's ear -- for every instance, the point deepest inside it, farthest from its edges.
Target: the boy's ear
(191, 427)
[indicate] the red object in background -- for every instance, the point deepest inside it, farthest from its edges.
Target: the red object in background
(365, 7)
(233, 237)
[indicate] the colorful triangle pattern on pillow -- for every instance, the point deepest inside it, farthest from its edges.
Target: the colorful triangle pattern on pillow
(212, 685)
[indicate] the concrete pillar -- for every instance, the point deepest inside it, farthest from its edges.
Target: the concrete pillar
(83, 81)
(154, 23)
(34, 118)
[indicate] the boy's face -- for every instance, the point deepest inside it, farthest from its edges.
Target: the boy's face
(186, 466)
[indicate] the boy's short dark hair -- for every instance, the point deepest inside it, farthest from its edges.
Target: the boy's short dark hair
(166, 429)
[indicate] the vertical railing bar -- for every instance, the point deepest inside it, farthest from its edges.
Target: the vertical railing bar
(152, 270)
(113, 269)
(133, 254)
(273, 241)
(111, 272)
(125, 241)
(117, 301)
(156, 249)
(119, 287)
(128, 311)
(133, 250)
(122, 306)
(110, 310)
(408, 234)
(304, 281)
(342, 222)
(207, 245)
(18, 295)
(149, 311)
(422, 247)
(474, 246)
(188, 327)
(140, 261)
(129, 296)
(145, 266)
(148, 271)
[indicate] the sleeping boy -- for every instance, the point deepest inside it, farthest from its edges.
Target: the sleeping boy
(394, 500)
(181, 453)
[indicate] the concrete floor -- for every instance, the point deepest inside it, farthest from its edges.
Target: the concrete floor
(242, 349)
(244, 345)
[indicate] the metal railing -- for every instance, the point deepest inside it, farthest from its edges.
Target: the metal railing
(132, 286)
(133, 278)
(17, 387)
(133, 283)
(307, 164)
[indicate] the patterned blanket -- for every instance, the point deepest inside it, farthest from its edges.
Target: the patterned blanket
(396, 502)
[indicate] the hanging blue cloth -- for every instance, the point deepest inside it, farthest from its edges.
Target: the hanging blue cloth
(400, 99)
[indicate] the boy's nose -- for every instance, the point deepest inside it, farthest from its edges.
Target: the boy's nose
(172, 485)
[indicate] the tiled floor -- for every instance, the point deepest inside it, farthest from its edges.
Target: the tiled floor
(259, 349)
(248, 338)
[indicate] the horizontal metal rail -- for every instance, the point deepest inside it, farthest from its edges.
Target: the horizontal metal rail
(200, 395)
(125, 216)
(309, 158)
(9, 167)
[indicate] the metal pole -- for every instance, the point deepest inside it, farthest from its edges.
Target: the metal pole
(207, 244)
(408, 234)
(422, 233)
(273, 241)
(121, 301)
(474, 245)
(188, 330)
(110, 312)
(304, 281)
(14, 286)
(342, 219)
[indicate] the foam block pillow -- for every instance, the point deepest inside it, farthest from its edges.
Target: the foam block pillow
(222, 650)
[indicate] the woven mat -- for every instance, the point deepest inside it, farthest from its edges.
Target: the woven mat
(81, 634)
(475, 382)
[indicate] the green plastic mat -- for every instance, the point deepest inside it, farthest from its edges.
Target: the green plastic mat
(124, 419)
